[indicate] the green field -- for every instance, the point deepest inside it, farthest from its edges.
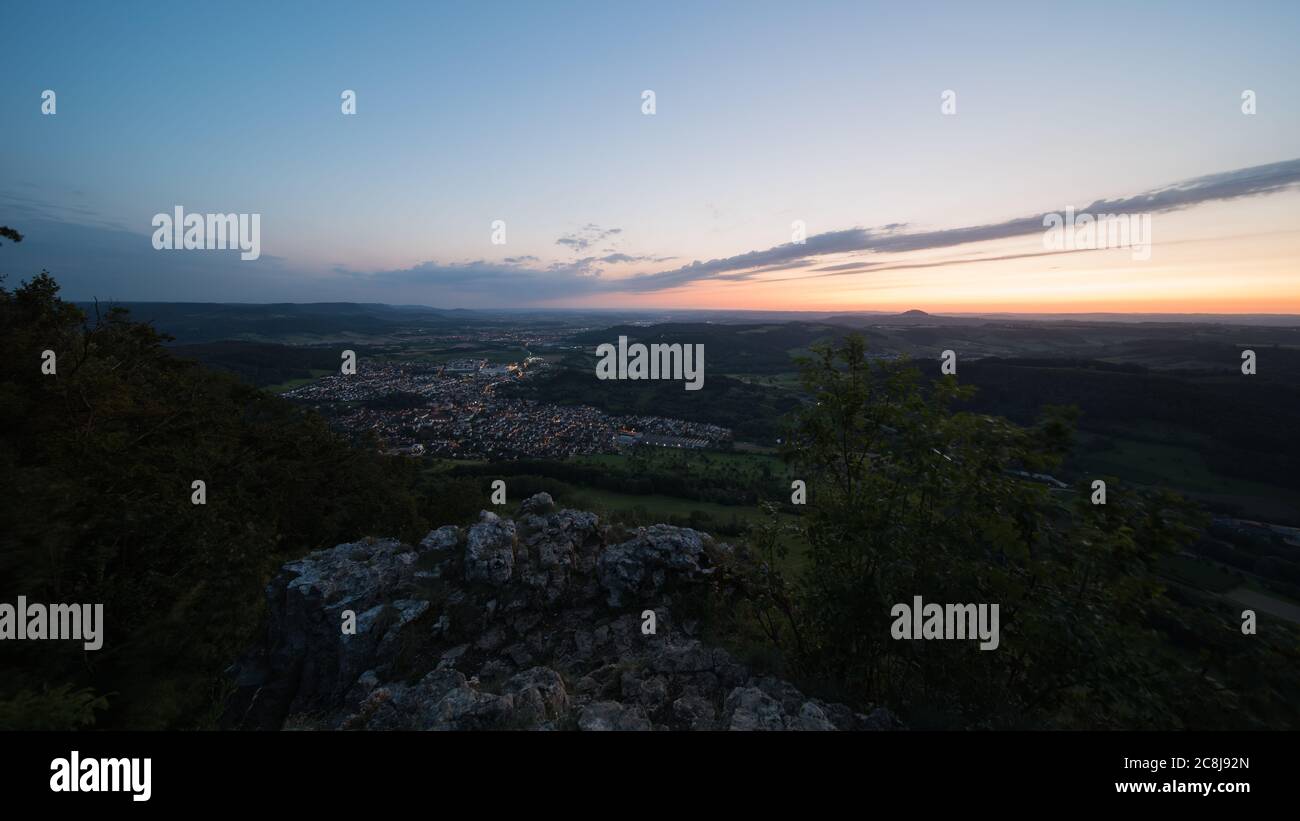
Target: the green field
(316, 373)
(712, 466)
(1181, 468)
(433, 464)
(605, 503)
(1199, 573)
(497, 355)
(1266, 602)
(708, 464)
(1150, 463)
(1235, 585)
(787, 381)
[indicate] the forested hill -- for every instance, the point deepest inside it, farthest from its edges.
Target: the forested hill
(100, 458)
(193, 322)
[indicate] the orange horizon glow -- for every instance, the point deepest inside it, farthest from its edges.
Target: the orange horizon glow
(1227, 258)
(1290, 307)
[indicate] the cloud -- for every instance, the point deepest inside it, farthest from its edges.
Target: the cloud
(24, 208)
(92, 255)
(617, 258)
(1245, 182)
(97, 261)
(587, 236)
(509, 282)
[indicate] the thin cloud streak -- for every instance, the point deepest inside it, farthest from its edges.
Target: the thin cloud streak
(1245, 182)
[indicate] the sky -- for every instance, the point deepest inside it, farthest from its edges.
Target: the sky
(798, 156)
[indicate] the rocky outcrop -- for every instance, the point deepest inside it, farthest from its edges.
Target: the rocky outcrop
(490, 551)
(536, 622)
(641, 566)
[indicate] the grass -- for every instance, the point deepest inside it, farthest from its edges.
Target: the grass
(434, 464)
(1199, 573)
(1267, 602)
(316, 373)
(1155, 464)
(441, 354)
(595, 499)
(694, 463)
(1181, 468)
(787, 380)
(605, 502)
(750, 447)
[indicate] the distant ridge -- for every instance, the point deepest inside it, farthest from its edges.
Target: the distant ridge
(919, 317)
(194, 322)
(319, 322)
(913, 317)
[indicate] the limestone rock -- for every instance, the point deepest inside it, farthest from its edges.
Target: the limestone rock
(531, 623)
(490, 550)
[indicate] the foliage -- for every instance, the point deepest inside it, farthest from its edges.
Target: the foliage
(750, 411)
(99, 459)
(908, 498)
(61, 708)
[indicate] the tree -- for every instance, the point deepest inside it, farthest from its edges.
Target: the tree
(908, 498)
(100, 459)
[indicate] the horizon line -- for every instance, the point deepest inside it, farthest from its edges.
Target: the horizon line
(651, 309)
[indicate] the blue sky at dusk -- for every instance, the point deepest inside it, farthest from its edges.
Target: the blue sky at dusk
(766, 113)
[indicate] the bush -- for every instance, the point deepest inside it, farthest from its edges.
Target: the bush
(101, 456)
(908, 498)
